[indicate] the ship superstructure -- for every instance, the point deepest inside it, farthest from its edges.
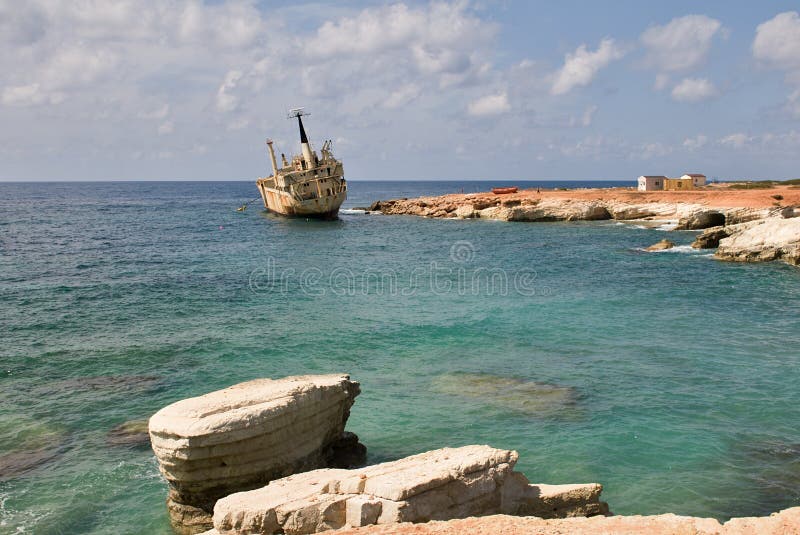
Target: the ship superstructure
(310, 186)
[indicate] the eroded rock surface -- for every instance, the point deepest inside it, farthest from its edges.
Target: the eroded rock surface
(440, 484)
(786, 522)
(524, 207)
(244, 436)
(701, 219)
(661, 246)
(710, 238)
(775, 238)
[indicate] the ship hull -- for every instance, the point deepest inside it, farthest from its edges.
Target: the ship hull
(282, 203)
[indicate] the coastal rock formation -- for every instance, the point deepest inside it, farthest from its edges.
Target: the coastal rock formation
(701, 220)
(786, 522)
(525, 208)
(710, 238)
(244, 436)
(661, 246)
(731, 217)
(440, 484)
(736, 216)
(547, 210)
(623, 211)
(770, 239)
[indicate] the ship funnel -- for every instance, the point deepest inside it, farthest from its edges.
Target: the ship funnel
(308, 154)
(272, 158)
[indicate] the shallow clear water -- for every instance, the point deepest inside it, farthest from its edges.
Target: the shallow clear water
(669, 377)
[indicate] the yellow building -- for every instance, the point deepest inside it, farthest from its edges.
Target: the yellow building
(678, 184)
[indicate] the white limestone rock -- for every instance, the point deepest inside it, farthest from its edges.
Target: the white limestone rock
(436, 485)
(466, 211)
(774, 238)
(244, 436)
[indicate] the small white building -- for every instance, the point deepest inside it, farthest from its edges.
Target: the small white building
(651, 183)
(698, 180)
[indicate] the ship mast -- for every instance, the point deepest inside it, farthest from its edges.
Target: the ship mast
(308, 155)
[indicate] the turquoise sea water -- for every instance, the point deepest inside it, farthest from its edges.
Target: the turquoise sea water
(669, 377)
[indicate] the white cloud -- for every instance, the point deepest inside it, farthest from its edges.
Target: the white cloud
(693, 90)
(226, 101)
(582, 66)
(166, 128)
(489, 105)
(767, 142)
(439, 39)
(736, 141)
(777, 45)
(588, 115)
(777, 42)
(402, 96)
(585, 119)
(239, 123)
(793, 104)
(156, 113)
(680, 45)
(662, 80)
(231, 25)
(29, 95)
(652, 150)
(695, 143)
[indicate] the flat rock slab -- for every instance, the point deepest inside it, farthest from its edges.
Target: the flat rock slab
(439, 484)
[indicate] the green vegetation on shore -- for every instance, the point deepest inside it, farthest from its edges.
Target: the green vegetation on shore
(765, 184)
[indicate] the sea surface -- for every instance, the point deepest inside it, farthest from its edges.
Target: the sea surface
(669, 377)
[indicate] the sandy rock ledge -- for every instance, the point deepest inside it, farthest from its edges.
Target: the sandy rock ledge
(786, 522)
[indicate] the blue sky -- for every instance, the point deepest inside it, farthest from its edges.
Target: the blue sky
(184, 89)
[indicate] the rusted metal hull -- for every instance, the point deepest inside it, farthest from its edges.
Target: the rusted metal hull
(283, 203)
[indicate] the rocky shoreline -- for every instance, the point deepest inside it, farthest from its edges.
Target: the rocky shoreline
(272, 456)
(744, 226)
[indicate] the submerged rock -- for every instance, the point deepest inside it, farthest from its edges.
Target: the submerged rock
(28, 445)
(244, 436)
(773, 475)
(661, 246)
(440, 484)
(530, 397)
(132, 434)
(115, 383)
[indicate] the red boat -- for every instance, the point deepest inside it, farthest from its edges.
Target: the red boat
(504, 191)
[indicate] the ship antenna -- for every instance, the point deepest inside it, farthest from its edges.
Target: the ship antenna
(309, 157)
(299, 112)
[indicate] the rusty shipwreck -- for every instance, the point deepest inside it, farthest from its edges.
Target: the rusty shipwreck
(310, 186)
